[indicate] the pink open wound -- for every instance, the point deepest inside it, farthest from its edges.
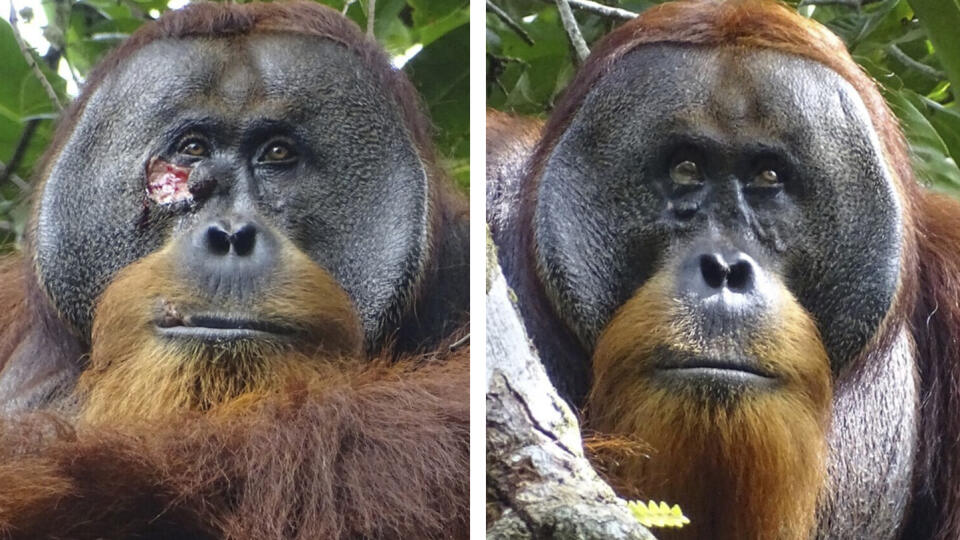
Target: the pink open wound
(167, 183)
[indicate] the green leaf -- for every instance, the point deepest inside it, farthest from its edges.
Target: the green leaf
(23, 98)
(946, 120)
(441, 74)
(882, 74)
(110, 9)
(386, 13)
(535, 74)
(435, 29)
(941, 19)
(426, 12)
(932, 161)
(91, 35)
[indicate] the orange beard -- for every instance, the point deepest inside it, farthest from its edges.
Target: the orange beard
(135, 375)
(744, 464)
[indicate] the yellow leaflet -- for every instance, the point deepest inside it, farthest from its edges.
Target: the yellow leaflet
(657, 515)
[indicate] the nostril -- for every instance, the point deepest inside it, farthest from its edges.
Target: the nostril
(244, 240)
(714, 271)
(740, 278)
(218, 241)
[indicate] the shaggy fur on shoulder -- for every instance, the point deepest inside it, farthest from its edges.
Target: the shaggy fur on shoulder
(376, 452)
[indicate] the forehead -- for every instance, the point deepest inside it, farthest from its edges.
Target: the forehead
(240, 74)
(734, 91)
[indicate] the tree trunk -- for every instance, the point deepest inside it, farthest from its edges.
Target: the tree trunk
(539, 484)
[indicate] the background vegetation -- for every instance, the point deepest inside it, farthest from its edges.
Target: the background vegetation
(912, 47)
(428, 37)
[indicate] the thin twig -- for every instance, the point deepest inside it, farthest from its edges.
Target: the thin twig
(7, 173)
(601, 9)
(920, 67)
(31, 61)
(460, 342)
(573, 31)
(26, 136)
(137, 11)
(73, 72)
(29, 127)
(346, 6)
(511, 24)
(848, 3)
(371, 10)
(495, 68)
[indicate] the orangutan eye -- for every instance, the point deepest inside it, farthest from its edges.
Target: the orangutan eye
(193, 146)
(278, 152)
(766, 178)
(686, 173)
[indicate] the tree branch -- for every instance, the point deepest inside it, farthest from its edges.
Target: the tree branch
(511, 24)
(136, 10)
(31, 61)
(600, 9)
(539, 483)
(7, 174)
(371, 11)
(573, 31)
(941, 20)
(919, 67)
(849, 3)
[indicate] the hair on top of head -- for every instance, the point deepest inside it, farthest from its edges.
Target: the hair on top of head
(762, 24)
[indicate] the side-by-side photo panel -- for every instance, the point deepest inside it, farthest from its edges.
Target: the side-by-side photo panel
(723, 282)
(234, 283)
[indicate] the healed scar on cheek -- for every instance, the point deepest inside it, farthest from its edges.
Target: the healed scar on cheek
(167, 183)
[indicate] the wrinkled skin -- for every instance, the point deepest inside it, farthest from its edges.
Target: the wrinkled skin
(233, 310)
(240, 95)
(608, 212)
(611, 208)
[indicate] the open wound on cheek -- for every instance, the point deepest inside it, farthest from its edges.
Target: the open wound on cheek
(167, 183)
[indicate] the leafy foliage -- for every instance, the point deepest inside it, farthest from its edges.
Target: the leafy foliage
(81, 32)
(888, 38)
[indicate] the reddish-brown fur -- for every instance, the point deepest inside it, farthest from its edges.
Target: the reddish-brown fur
(332, 444)
(30, 382)
(927, 299)
(27, 316)
(748, 467)
(373, 452)
(307, 441)
(138, 375)
(13, 298)
(293, 17)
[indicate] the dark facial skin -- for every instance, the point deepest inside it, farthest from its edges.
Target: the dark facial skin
(619, 197)
(283, 130)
